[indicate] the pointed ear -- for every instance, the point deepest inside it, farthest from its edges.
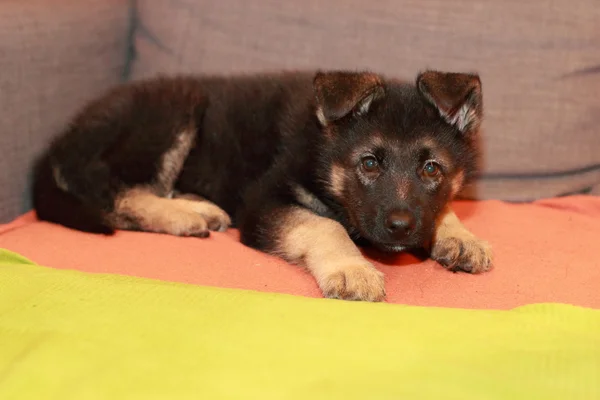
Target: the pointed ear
(457, 96)
(339, 93)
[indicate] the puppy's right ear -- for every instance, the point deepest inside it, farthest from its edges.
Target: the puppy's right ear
(339, 93)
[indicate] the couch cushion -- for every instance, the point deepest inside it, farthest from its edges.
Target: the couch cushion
(543, 251)
(54, 56)
(539, 61)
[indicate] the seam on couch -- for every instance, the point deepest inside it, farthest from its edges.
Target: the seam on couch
(542, 175)
(595, 69)
(130, 54)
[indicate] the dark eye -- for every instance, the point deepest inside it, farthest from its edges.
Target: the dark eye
(370, 164)
(431, 169)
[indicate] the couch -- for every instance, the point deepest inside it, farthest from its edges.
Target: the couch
(540, 77)
(537, 200)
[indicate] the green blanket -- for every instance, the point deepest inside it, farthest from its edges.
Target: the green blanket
(72, 335)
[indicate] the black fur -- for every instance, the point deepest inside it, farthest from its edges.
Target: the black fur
(258, 139)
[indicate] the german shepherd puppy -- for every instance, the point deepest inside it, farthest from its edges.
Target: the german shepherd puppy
(304, 164)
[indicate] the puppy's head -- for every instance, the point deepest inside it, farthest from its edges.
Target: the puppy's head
(394, 154)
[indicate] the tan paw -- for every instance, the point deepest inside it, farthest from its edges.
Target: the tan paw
(216, 219)
(142, 209)
(184, 223)
(354, 282)
(468, 254)
(197, 218)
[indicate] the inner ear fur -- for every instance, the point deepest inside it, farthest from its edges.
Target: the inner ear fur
(339, 93)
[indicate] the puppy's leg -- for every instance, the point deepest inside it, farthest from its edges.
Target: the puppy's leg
(156, 207)
(456, 248)
(141, 209)
(325, 249)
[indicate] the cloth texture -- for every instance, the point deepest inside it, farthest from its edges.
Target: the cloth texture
(539, 62)
(68, 334)
(54, 56)
(544, 252)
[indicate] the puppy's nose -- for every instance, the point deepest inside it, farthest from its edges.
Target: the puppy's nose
(400, 223)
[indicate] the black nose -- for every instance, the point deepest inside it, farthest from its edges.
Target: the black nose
(400, 223)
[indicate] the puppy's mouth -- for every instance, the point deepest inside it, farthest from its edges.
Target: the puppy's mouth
(396, 247)
(385, 246)
(388, 247)
(392, 247)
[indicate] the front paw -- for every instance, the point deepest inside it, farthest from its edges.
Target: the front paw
(354, 281)
(463, 254)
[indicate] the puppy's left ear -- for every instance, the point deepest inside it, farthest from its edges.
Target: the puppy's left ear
(339, 93)
(457, 96)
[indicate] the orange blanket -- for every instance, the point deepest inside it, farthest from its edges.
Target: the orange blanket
(544, 251)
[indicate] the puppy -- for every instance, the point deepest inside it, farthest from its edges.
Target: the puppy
(305, 164)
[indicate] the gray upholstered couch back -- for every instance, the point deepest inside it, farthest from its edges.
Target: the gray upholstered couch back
(539, 62)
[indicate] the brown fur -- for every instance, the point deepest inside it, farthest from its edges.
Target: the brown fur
(173, 159)
(403, 189)
(457, 183)
(440, 153)
(455, 247)
(325, 249)
(336, 180)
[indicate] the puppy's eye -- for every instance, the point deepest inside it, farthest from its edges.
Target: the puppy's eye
(370, 164)
(431, 169)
